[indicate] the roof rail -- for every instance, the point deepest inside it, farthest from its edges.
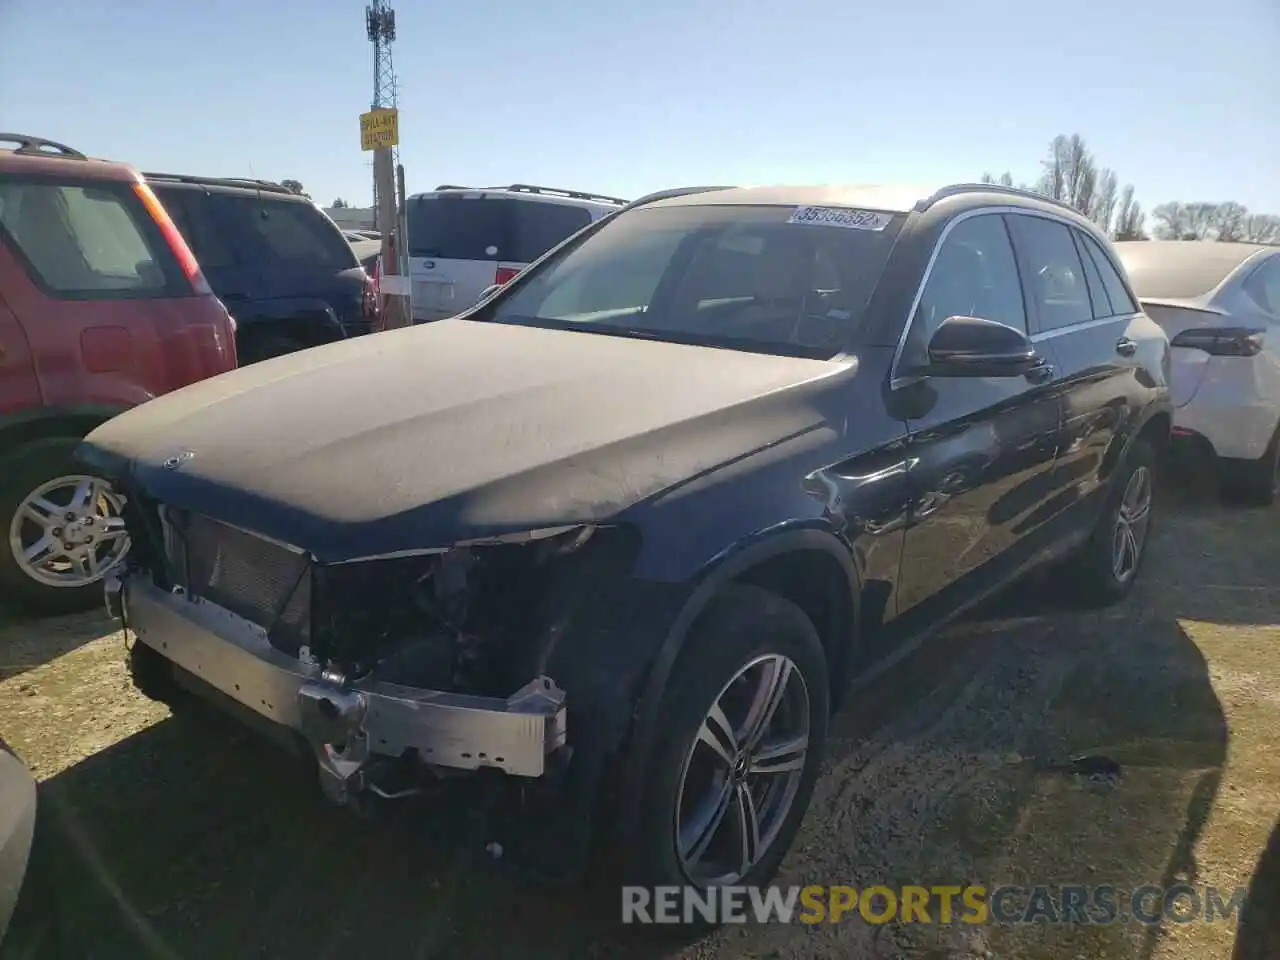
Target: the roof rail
(956, 189)
(670, 193)
(450, 186)
(244, 183)
(556, 191)
(29, 146)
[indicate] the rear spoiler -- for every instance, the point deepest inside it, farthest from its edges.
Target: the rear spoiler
(1174, 303)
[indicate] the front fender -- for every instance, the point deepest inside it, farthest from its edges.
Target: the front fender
(763, 546)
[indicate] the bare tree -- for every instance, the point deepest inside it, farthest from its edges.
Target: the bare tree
(1171, 221)
(1200, 220)
(1130, 220)
(1071, 174)
(1261, 228)
(1053, 182)
(1104, 201)
(1228, 221)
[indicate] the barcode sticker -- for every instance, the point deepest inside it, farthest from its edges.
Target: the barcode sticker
(841, 217)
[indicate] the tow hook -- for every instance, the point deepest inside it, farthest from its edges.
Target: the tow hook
(113, 595)
(333, 717)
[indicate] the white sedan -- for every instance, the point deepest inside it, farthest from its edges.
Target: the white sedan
(1220, 305)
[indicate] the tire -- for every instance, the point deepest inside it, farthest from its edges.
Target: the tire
(740, 627)
(256, 347)
(1093, 572)
(1254, 483)
(28, 469)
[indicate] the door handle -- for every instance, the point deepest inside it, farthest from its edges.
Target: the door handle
(1042, 372)
(1126, 347)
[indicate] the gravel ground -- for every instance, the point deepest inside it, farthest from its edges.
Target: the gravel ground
(186, 837)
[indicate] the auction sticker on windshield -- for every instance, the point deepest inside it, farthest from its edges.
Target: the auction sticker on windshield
(841, 217)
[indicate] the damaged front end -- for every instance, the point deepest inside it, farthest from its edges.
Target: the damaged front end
(393, 670)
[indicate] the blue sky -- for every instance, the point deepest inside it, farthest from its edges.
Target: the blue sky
(1181, 97)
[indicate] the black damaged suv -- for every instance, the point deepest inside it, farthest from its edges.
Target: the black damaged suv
(627, 530)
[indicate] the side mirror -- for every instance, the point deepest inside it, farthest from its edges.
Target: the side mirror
(972, 347)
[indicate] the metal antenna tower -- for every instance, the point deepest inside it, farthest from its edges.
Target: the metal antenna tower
(380, 24)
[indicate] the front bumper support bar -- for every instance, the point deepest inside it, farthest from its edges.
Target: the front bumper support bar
(350, 726)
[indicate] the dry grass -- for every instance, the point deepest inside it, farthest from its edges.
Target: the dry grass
(184, 837)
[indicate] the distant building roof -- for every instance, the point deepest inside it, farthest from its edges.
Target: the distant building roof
(358, 218)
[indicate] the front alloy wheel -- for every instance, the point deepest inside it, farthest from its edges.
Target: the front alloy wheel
(743, 771)
(729, 772)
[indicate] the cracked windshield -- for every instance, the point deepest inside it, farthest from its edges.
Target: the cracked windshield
(690, 481)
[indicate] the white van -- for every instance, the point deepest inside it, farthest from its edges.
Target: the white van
(463, 240)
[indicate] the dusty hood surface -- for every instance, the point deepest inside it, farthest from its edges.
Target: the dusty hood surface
(453, 430)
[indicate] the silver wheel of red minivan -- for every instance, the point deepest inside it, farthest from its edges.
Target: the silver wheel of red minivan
(63, 529)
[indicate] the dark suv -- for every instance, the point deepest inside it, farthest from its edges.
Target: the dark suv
(283, 268)
(626, 530)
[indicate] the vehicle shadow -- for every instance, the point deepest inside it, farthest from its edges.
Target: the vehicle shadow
(1258, 937)
(195, 838)
(971, 783)
(23, 647)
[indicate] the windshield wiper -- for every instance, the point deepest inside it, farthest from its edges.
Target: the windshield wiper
(548, 323)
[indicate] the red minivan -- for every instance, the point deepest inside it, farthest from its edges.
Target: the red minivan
(102, 307)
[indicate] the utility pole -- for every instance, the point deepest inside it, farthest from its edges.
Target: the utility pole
(380, 133)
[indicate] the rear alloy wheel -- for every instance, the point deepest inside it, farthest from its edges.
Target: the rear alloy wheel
(64, 531)
(1129, 532)
(1255, 483)
(1104, 570)
(733, 764)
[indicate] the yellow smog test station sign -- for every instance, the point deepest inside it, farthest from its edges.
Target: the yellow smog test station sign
(380, 128)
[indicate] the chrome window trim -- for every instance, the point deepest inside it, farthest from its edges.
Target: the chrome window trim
(895, 381)
(1082, 325)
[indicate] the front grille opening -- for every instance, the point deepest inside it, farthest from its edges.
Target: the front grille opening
(264, 582)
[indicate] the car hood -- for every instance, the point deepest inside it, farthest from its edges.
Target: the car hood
(422, 437)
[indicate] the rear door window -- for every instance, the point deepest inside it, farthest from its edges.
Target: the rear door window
(490, 228)
(1097, 290)
(90, 241)
(291, 233)
(1117, 294)
(459, 228)
(537, 227)
(1052, 272)
(192, 212)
